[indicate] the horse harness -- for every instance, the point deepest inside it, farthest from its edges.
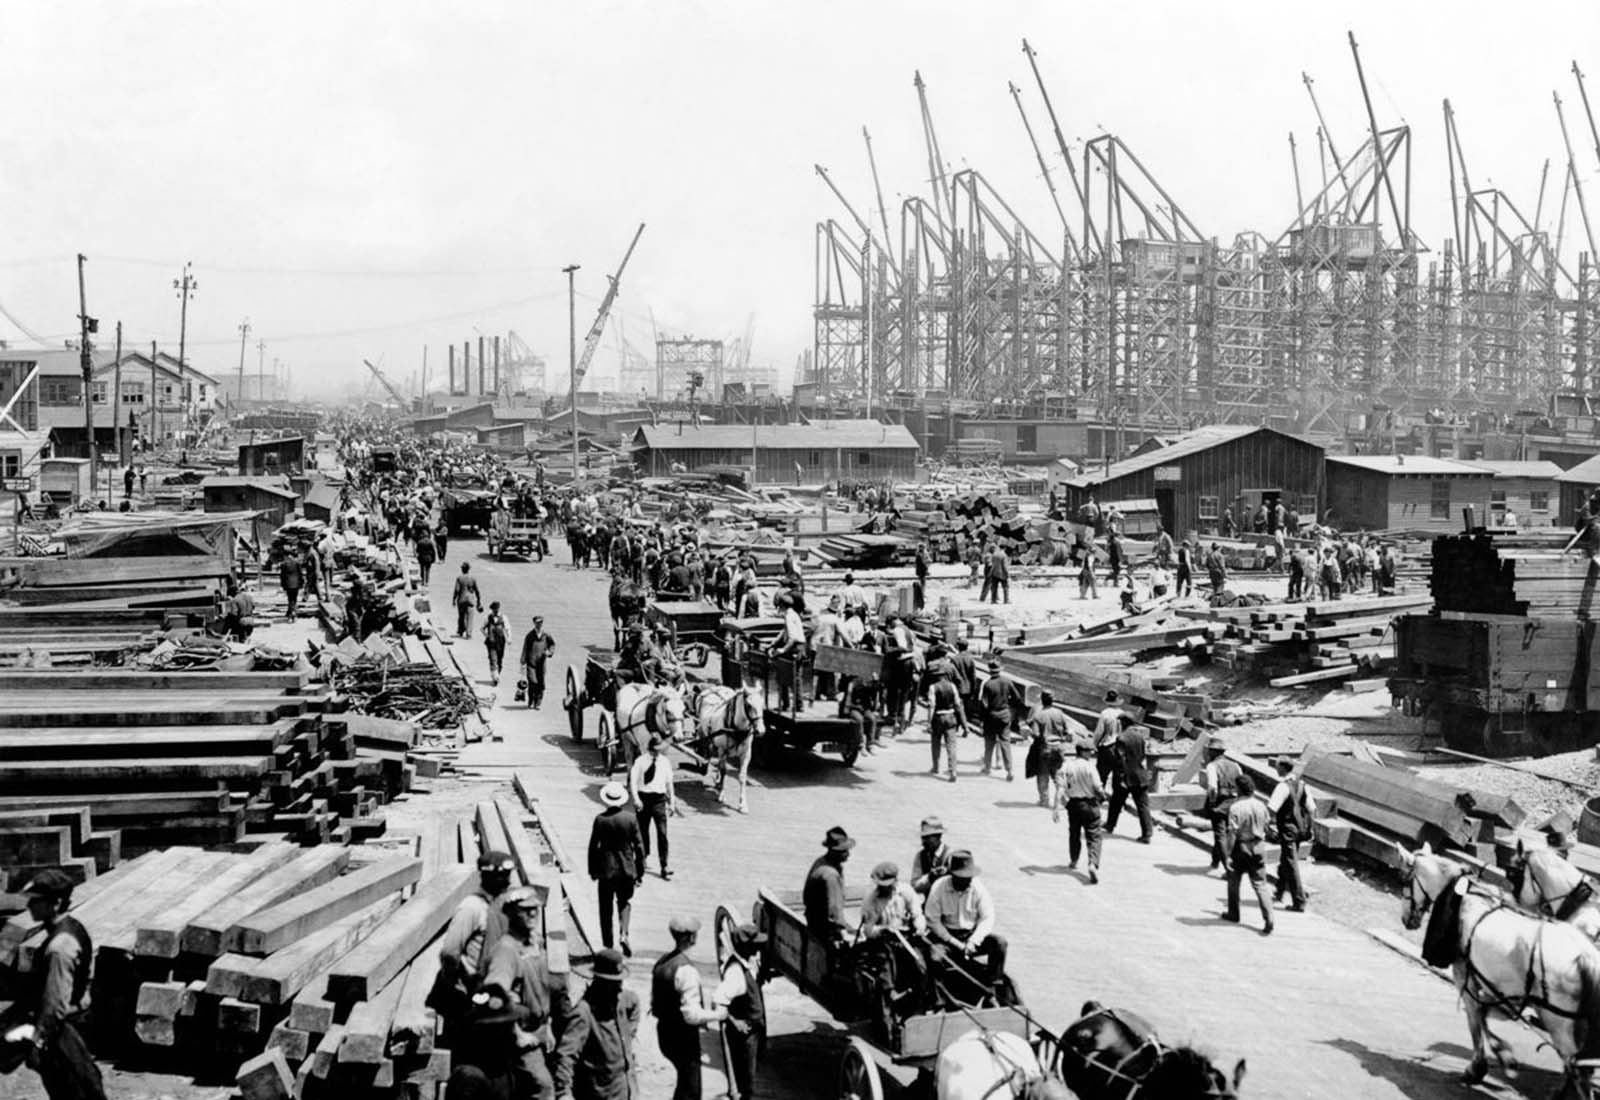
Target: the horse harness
(1557, 906)
(1535, 983)
(1118, 1070)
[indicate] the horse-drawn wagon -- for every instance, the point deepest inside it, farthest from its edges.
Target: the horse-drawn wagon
(964, 1039)
(817, 726)
(508, 534)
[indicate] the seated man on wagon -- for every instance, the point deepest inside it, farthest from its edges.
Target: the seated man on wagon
(967, 953)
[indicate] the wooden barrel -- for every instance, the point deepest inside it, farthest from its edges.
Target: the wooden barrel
(1589, 822)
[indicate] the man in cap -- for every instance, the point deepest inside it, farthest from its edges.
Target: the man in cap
(1220, 776)
(932, 860)
(679, 1009)
(1293, 809)
(892, 906)
(470, 938)
(594, 1060)
(1080, 790)
(823, 893)
(947, 718)
(739, 996)
(518, 975)
(961, 920)
(59, 997)
(1131, 779)
(851, 594)
(1053, 729)
(537, 646)
(1244, 835)
(999, 700)
(655, 797)
(1106, 730)
(616, 861)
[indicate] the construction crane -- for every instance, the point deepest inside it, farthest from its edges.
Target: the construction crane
(592, 341)
(399, 398)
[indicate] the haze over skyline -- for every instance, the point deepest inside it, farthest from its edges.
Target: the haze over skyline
(364, 179)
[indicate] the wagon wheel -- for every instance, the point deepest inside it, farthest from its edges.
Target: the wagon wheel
(572, 703)
(722, 927)
(607, 740)
(858, 1073)
(849, 755)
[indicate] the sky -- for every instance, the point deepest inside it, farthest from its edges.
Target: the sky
(367, 179)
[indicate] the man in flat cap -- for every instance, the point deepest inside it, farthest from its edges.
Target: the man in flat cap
(1220, 776)
(739, 995)
(518, 975)
(677, 1003)
(892, 906)
(537, 646)
(469, 940)
(52, 1043)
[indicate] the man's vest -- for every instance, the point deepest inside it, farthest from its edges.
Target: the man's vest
(68, 926)
(751, 1005)
(666, 1005)
(1227, 773)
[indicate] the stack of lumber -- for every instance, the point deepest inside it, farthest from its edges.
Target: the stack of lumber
(866, 551)
(1080, 689)
(1310, 642)
(1150, 629)
(1488, 574)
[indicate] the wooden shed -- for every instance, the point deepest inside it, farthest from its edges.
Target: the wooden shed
(1574, 487)
(267, 495)
(1198, 474)
(271, 457)
(787, 454)
(1527, 489)
(1405, 492)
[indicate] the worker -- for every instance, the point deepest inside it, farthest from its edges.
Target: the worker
(932, 860)
(739, 996)
(594, 1060)
(1107, 729)
(474, 930)
(892, 906)
(518, 974)
(999, 701)
(467, 600)
(823, 894)
(537, 645)
(1219, 775)
(678, 1006)
(1081, 790)
(1053, 729)
(961, 921)
(52, 1043)
(947, 718)
(1245, 832)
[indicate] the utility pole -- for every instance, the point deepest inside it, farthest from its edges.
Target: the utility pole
(572, 361)
(155, 423)
(116, 405)
(261, 368)
(185, 288)
(86, 325)
(244, 338)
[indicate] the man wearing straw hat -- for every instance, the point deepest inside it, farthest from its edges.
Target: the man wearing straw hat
(616, 861)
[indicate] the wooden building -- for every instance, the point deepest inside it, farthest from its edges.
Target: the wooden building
(272, 457)
(1405, 492)
(271, 497)
(1573, 488)
(1198, 474)
(1526, 488)
(787, 454)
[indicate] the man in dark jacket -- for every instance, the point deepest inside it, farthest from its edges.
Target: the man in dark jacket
(537, 645)
(1000, 701)
(595, 1058)
(1130, 778)
(519, 975)
(616, 861)
(55, 1047)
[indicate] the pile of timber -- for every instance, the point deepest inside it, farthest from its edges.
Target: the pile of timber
(859, 551)
(1150, 629)
(1526, 575)
(158, 758)
(1311, 642)
(1080, 689)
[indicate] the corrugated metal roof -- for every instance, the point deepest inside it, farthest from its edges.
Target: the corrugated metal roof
(1534, 468)
(859, 435)
(1410, 464)
(1586, 472)
(1201, 439)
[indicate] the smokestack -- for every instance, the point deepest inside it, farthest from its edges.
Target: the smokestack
(452, 390)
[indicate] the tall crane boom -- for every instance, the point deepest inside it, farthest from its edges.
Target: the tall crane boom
(388, 385)
(592, 341)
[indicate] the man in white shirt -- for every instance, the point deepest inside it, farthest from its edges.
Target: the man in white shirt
(654, 797)
(852, 594)
(826, 632)
(892, 906)
(1293, 809)
(961, 921)
(675, 1002)
(740, 997)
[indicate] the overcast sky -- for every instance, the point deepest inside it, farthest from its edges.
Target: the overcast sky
(364, 179)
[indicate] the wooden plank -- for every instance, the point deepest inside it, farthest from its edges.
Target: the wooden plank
(293, 1042)
(1341, 672)
(226, 975)
(491, 832)
(117, 931)
(21, 935)
(132, 771)
(415, 1025)
(35, 845)
(1393, 788)
(326, 1055)
(376, 962)
(126, 804)
(265, 1077)
(109, 679)
(366, 1031)
(206, 932)
(75, 818)
(161, 934)
(311, 1011)
(276, 979)
(269, 929)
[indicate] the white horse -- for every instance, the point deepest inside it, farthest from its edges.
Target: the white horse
(646, 710)
(994, 1065)
(1546, 883)
(731, 719)
(1508, 963)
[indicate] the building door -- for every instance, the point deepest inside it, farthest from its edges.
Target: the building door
(1167, 508)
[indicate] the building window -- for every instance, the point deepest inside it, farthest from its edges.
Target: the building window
(863, 458)
(58, 391)
(1209, 507)
(133, 393)
(1440, 501)
(10, 464)
(97, 392)
(1538, 500)
(814, 458)
(202, 392)
(1028, 438)
(1497, 498)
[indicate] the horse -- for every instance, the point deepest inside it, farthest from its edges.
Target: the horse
(991, 1065)
(1507, 962)
(645, 710)
(1544, 882)
(731, 719)
(1108, 1053)
(627, 601)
